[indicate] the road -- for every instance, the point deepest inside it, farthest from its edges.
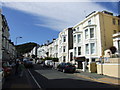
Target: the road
(41, 77)
(50, 78)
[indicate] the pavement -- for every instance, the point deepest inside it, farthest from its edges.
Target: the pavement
(16, 82)
(97, 77)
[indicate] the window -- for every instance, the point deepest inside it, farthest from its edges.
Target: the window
(74, 29)
(91, 32)
(87, 48)
(114, 21)
(74, 38)
(118, 46)
(60, 41)
(79, 50)
(114, 31)
(64, 57)
(71, 56)
(93, 59)
(92, 47)
(89, 22)
(77, 28)
(79, 38)
(64, 38)
(75, 51)
(60, 49)
(86, 33)
(118, 22)
(64, 48)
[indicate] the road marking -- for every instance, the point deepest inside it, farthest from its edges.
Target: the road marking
(34, 78)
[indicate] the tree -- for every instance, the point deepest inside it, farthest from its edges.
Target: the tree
(113, 49)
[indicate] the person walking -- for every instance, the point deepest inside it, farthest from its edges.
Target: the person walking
(16, 68)
(21, 69)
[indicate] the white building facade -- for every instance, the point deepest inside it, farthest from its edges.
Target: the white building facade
(65, 44)
(93, 35)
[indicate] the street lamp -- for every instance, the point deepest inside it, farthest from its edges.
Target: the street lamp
(17, 39)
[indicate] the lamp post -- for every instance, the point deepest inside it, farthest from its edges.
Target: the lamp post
(17, 39)
(16, 44)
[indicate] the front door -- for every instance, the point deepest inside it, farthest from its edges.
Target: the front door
(80, 66)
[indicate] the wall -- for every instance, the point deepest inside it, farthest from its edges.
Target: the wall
(109, 69)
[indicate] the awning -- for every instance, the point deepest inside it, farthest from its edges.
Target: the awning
(79, 59)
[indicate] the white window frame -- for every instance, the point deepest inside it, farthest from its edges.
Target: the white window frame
(89, 22)
(75, 51)
(91, 48)
(86, 34)
(78, 39)
(86, 52)
(79, 51)
(64, 48)
(93, 32)
(74, 38)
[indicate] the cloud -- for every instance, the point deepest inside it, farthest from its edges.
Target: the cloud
(58, 15)
(59, 0)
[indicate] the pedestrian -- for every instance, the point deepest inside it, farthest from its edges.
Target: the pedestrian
(21, 68)
(16, 68)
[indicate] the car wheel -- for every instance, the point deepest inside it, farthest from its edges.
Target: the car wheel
(64, 70)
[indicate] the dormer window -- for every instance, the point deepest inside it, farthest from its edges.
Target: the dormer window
(89, 22)
(77, 28)
(74, 29)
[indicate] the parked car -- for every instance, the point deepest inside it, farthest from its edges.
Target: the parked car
(66, 67)
(7, 69)
(28, 64)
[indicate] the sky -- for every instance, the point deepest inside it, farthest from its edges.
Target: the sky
(41, 21)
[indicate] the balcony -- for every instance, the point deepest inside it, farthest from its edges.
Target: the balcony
(74, 32)
(89, 25)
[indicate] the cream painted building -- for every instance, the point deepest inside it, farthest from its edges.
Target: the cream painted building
(65, 43)
(93, 35)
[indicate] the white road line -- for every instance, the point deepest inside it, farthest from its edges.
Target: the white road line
(34, 79)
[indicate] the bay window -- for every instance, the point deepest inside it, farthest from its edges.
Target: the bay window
(92, 47)
(87, 48)
(86, 34)
(79, 38)
(91, 32)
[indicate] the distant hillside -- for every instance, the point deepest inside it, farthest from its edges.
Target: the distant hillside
(25, 48)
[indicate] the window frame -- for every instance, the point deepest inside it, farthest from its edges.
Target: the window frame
(92, 49)
(79, 51)
(92, 29)
(86, 34)
(87, 51)
(78, 38)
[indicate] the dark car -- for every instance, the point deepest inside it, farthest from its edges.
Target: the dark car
(28, 64)
(66, 67)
